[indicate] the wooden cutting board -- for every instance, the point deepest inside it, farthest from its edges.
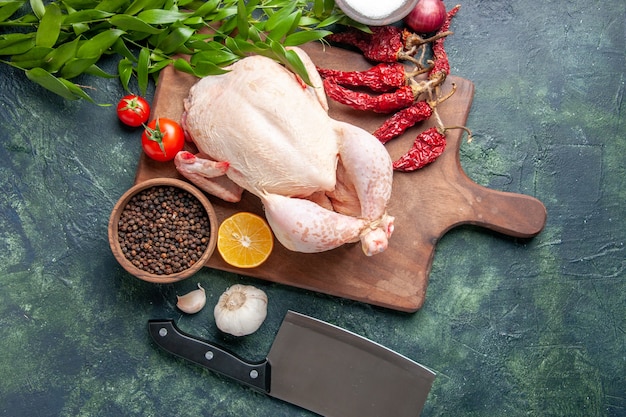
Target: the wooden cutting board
(426, 203)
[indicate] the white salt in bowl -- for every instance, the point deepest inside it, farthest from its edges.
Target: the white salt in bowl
(376, 12)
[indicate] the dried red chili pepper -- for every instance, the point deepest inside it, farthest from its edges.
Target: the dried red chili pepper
(383, 77)
(382, 103)
(352, 37)
(427, 147)
(402, 120)
(408, 117)
(441, 66)
(384, 44)
(389, 43)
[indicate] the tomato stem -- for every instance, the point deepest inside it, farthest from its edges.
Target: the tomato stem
(156, 135)
(131, 104)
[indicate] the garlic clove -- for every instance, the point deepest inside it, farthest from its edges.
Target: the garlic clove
(241, 310)
(193, 301)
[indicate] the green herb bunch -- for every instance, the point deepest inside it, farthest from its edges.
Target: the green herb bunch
(57, 41)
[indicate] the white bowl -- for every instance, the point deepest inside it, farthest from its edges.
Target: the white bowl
(376, 12)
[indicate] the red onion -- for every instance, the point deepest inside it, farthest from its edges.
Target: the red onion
(427, 16)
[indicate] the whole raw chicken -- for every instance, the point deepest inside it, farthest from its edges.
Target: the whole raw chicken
(259, 127)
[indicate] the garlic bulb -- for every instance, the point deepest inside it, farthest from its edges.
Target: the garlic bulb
(241, 310)
(193, 301)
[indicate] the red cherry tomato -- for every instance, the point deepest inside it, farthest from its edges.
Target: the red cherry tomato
(162, 139)
(133, 110)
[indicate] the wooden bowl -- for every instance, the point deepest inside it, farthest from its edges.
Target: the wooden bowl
(116, 214)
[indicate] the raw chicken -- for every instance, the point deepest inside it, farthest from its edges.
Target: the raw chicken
(323, 183)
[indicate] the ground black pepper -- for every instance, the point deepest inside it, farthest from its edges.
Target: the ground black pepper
(163, 230)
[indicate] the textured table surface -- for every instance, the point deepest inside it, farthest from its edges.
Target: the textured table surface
(515, 327)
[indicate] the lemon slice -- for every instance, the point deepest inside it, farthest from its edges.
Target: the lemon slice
(245, 240)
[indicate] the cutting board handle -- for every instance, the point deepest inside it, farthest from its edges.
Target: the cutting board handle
(512, 214)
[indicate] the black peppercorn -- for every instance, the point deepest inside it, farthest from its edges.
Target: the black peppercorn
(163, 230)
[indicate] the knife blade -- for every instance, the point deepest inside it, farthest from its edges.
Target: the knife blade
(317, 366)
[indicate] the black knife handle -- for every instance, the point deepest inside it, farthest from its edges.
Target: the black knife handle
(204, 353)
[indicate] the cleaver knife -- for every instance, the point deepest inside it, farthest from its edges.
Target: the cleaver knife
(317, 366)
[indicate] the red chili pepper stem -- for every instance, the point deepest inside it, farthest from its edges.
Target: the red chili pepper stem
(467, 130)
(429, 86)
(408, 56)
(441, 99)
(420, 69)
(412, 41)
